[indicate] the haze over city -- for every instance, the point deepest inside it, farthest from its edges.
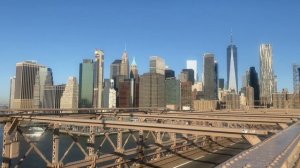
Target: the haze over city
(60, 34)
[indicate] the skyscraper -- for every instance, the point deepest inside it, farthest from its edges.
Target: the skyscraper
(266, 74)
(210, 77)
(125, 93)
(152, 90)
(115, 68)
(69, 98)
(296, 78)
(169, 73)
(86, 83)
(112, 95)
(232, 71)
(172, 91)
(192, 64)
(134, 73)
(134, 84)
(52, 96)
(12, 91)
(124, 69)
(24, 84)
(105, 100)
(253, 82)
(190, 75)
(109, 94)
(99, 70)
(186, 94)
(221, 83)
(157, 65)
(59, 90)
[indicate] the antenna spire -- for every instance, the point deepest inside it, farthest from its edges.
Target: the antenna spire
(231, 40)
(125, 47)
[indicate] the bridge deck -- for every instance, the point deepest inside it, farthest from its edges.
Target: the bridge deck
(274, 151)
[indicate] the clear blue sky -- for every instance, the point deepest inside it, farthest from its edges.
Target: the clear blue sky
(60, 33)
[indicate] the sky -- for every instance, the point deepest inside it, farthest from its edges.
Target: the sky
(60, 34)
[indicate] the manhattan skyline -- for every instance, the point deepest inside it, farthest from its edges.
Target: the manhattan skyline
(60, 35)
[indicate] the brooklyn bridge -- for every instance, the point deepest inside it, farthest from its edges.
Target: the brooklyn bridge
(150, 137)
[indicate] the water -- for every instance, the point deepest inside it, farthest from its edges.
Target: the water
(45, 145)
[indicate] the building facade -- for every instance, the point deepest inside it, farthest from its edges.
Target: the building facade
(266, 74)
(115, 68)
(152, 90)
(169, 73)
(26, 75)
(125, 93)
(210, 77)
(105, 100)
(232, 70)
(190, 75)
(192, 64)
(69, 98)
(254, 83)
(221, 84)
(124, 67)
(134, 72)
(112, 103)
(86, 83)
(172, 92)
(250, 96)
(186, 94)
(157, 65)
(296, 78)
(98, 85)
(12, 92)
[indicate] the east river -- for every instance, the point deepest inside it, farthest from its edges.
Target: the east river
(44, 143)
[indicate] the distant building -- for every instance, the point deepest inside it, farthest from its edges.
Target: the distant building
(210, 77)
(169, 73)
(157, 65)
(172, 92)
(296, 78)
(184, 76)
(198, 86)
(186, 94)
(205, 105)
(59, 90)
(44, 77)
(134, 84)
(221, 84)
(98, 85)
(232, 69)
(286, 100)
(152, 90)
(134, 73)
(69, 98)
(124, 93)
(26, 75)
(192, 64)
(232, 101)
(190, 75)
(106, 91)
(112, 103)
(115, 68)
(109, 94)
(124, 71)
(12, 92)
(53, 96)
(253, 82)
(48, 100)
(266, 74)
(86, 83)
(249, 96)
